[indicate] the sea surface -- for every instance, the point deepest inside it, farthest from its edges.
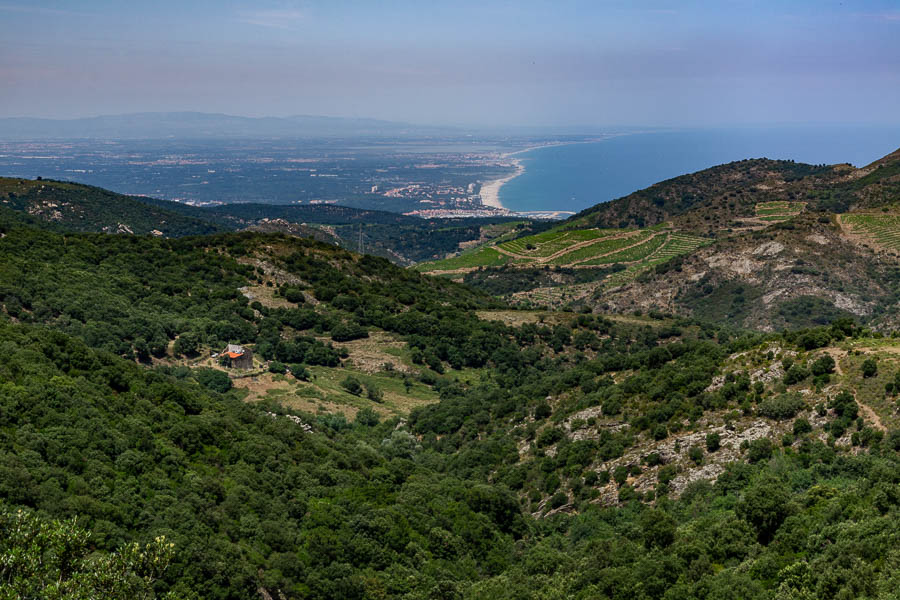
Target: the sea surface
(575, 176)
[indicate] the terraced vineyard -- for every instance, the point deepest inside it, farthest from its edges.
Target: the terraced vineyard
(550, 242)
(878, 228)
(603, 247)
(676, 244)
(635, 249)
(486, 256)
(778, 210)
(630, 254)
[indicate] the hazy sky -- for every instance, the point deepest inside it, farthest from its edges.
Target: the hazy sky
(598, 62)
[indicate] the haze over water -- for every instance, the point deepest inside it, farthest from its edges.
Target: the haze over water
(576, 176)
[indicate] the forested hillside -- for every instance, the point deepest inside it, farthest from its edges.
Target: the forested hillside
(496, 454)
(402, 239)
(77, 207)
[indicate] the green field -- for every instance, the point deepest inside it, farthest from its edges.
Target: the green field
(550, 242)
(780, 210)
(882, 229)
(480, 257)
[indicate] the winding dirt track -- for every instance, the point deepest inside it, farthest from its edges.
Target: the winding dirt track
(865, 409)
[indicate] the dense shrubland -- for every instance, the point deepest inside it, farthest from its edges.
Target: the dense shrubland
(484, 494)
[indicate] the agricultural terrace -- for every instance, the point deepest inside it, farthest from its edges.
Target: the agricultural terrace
(781, 210)
(676, 244)
(549, 243)
(486, 256)
(635, 248)
(880, 229)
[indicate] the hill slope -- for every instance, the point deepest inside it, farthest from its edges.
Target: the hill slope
(428, 441)
(77, 207)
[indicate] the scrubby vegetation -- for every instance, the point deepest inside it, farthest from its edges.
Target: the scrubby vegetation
(480, 451)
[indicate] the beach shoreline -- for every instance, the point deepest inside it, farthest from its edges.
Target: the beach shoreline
(490, 191)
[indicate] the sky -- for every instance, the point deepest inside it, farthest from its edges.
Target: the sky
(458, 62)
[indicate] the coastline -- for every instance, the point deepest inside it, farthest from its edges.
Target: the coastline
(490, 191)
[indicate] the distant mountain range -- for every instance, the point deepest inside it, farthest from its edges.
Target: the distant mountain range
(196, 125)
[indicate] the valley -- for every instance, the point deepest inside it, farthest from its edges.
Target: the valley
(574, 409)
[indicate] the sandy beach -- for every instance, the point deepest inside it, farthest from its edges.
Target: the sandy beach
(490, 191)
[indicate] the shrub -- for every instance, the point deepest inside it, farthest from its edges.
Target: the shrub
(713, 441)
(277, 367)
(345, 332)
(549, 436)
(214, 379)
(367, 417)
(802, 426)
(785, 406)
(696, 454)
(300, 372)
(352, 385)
(542, 411)
(760, 449)
(795, 374)
(869, 367)
(294, 295)
(558, 499)
(620, 474)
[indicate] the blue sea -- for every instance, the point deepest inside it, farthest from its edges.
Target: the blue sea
(575, 176)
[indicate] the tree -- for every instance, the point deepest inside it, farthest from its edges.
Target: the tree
(869, 367)
(764, 506)
(187, 344)
(823, 365)
(658, 528)
(214, 379)
(41, 558)
(374, 394)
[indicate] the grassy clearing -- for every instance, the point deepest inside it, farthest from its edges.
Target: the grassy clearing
(639, 249)
(516, 318)
(324, 393)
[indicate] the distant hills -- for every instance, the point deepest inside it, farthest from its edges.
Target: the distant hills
(756, 243)
(197, 125)
(67, 206)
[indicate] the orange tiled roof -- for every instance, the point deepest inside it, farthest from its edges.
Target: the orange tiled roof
(234, 354)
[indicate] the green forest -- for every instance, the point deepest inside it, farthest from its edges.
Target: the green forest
(563, 456)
